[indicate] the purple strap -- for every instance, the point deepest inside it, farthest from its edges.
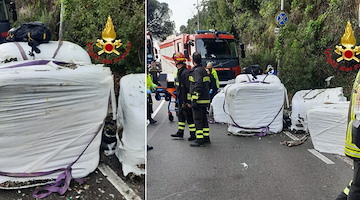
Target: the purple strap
(63, 180)
(35, 62)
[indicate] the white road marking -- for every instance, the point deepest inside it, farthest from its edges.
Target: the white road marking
(320, 156)
(293, 137)
(118, 183)
(157, 109)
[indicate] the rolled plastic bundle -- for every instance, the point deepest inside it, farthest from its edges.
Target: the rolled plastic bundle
(51, 118)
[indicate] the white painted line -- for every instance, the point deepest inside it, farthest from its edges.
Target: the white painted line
(320, 156)
(157, 109)
(293, 137)
(118, 183)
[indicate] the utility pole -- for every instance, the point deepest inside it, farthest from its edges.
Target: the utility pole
(279, 61)
(62, 10)
(198, 21)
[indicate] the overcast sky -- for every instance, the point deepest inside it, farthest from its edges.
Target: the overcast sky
(182, 10)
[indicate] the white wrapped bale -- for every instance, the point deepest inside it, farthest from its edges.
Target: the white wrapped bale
(48, 116)
(131, 117)
(327, 127)
(218, 108)
(255, 107)
(304, 100)
(68, 52)
(266, 78)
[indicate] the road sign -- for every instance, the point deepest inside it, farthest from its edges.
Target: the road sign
(281, 18)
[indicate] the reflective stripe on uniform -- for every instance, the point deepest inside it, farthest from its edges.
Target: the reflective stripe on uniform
(188, 96)
(191, 79)
(347, 189)
(192, 127)
(203, 101)
(199, 134)
(194, 97)
(181, 125)
(206, 79)
(206, 131)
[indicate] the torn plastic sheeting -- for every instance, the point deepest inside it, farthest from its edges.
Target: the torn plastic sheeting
(131, 109)
(304, 100)
(327, 127)
(48, 115)
(255, 107)
(68, 52)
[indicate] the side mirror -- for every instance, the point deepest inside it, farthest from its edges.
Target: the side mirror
(242, 50)
(13, 10)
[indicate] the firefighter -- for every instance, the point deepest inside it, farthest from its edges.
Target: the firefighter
(200, 100)
(214, 80)
(352, 143)
(182, 85)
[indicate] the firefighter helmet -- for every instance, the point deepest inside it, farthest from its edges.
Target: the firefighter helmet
(179, 57)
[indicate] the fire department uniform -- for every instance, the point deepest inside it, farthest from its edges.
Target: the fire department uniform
(184, 101)
(200, 97)
(352, 143)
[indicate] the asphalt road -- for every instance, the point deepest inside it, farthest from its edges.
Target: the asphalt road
(218, 171)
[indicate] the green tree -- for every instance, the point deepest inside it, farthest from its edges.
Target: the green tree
(84, 21)
(313, 26)
(158, 19)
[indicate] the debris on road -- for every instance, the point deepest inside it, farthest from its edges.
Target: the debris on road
(300, 141)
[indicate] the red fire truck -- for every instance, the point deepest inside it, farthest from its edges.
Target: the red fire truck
(218, 47)
(6, 7)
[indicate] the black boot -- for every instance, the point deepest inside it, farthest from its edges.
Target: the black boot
(207, 140)
(192, 136)
(199, 142)
(152, 121)
(179, 134)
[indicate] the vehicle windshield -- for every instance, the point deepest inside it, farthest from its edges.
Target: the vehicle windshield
(217, 48)
(3, 12)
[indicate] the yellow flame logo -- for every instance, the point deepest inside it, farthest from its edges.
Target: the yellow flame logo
(348, 41)
(108, 35)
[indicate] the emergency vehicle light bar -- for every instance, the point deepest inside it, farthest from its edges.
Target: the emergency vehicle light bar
(214, 32)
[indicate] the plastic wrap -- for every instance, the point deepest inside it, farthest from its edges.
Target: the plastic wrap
(68, 52)
(304, 100)
(131, 118)
(255, 107)
(327, 127)
(218, 108)
(48, 116)
(267, 78)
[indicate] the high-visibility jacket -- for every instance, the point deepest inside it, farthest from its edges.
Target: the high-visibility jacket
(351, 149)
(215, 75)
(199, 85)
(149, 83)
(182, 85)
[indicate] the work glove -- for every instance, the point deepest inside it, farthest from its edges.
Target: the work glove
(148, 91)
(194, 105)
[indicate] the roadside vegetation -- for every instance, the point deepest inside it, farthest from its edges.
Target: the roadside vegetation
(85, 20)
(313, 27)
